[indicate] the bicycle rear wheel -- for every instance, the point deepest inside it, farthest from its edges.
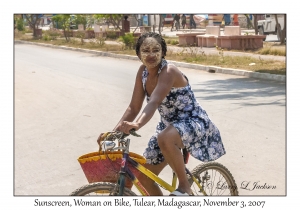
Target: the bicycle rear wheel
(101, 189)
(215, 179)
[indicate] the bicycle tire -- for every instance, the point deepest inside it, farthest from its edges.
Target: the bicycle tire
(214, 186)
(101, 189)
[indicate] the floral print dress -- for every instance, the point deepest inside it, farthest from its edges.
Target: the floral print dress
(198, 133)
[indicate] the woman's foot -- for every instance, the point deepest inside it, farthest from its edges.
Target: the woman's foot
(179, 192)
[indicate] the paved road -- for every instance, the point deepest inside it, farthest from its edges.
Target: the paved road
(64, 99)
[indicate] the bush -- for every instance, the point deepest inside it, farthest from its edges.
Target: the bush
(80, 35)
(174, 42)
(28, 29)
(46, 37)
(51, 34)
(20, 24)
(111, 35)
(129, 40)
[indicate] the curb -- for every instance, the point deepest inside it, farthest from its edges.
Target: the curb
(211, 69)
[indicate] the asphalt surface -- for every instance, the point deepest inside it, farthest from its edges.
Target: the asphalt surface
(168, 32)
(64, 99)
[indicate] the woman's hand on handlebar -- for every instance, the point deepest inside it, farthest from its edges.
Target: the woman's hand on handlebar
(126, 126)
(100, 138)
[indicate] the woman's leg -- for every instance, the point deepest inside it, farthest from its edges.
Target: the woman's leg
(151, 187)
(170, 143)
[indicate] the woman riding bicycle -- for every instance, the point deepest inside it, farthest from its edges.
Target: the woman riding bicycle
(184, 123)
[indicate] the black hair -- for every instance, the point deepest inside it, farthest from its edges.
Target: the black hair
(156, 36)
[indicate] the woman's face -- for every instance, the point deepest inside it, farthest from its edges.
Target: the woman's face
(151, 52)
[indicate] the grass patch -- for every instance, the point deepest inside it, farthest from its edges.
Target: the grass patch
(235, 62)
(271, 50)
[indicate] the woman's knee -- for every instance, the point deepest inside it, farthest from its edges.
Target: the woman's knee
(162, 139)
(167, 136)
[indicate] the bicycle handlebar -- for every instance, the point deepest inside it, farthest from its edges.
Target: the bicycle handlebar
(112, 136)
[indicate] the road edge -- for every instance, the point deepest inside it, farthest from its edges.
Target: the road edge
(211, 69)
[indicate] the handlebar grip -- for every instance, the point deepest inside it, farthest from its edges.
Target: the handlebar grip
(132, 132)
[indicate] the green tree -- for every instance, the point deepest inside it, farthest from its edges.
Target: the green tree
(33, 20)
(64, 19)
(114, 19)
(81, 19)
(19, 22)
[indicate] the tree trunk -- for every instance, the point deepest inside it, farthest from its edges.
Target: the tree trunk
(255, 24)
(277, 24)
(159, 24)
(137, 23)
(283, 32)
(66, 32)
(115, 24)
(249, 22)
(154, 25)
(33, 20)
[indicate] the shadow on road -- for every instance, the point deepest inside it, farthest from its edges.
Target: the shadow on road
(242, 89)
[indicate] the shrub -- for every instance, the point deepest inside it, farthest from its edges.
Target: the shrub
(129, 40)
(20, 24)
(81, 36)
(28, 29)
(46, 37)
(111, 35)
(174, 42)
(51, 34)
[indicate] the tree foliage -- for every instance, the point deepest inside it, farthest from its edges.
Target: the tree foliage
(64, 19)
(114, 19)
(81, 19)
(33, 20)
(19, 23)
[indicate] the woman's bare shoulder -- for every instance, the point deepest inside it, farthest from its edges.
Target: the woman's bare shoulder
(172, 69)
(141, 69)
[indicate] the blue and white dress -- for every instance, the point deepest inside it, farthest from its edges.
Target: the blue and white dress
(198, 133)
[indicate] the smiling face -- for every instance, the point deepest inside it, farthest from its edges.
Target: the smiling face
(151, 53)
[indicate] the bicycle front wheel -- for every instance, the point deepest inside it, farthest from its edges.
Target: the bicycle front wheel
(101, 189)
(215, 179)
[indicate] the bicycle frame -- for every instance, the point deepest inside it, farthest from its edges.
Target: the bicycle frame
(126, 170)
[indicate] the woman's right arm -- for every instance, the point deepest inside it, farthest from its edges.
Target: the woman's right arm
(136, 103)
(137, 99)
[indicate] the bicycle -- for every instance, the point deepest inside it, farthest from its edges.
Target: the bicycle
(203, 178)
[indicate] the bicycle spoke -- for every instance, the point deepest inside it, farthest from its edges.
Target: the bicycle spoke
(215, 180)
